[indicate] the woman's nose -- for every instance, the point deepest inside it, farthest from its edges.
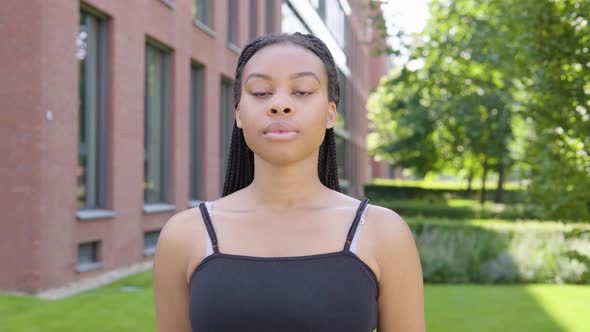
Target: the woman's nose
(280, 104)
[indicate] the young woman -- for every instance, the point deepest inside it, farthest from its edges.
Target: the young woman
(282, 249)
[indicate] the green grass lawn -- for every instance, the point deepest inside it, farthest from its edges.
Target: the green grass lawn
(456, 308)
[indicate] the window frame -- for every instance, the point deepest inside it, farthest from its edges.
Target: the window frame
(196, 132)
(150, 250)
(233, 23)
(269, 18)
(95, 263)
(205, 19)
(163, 202)
(225, 117)
(253, 19)
(96, 206)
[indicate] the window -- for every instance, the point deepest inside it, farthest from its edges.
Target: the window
(320, 7)
(341, 160)
(291, 22)
(197, 86)
(232, 24)
(270, 12)
(341, 119)
(169, 3)
(202, 12)
(150, 240)
(88, 256)
(335, 17)
(226, 124)
(253, 19)
(93, 112)
(156, 138)
(342, 135)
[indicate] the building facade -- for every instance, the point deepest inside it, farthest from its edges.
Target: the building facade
(118, 114)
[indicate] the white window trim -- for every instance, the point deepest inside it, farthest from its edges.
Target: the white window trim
(312, 19)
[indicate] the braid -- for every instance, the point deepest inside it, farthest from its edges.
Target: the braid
(240, 165)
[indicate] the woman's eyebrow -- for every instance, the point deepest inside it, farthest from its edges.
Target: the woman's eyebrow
(294, 76)
(305, 73)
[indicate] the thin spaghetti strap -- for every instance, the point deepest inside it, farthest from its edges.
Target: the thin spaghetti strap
(355, 223)
(209, 226)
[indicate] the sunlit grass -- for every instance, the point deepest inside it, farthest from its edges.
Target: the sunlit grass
(456, 308)
(452, 185)
(539, 308)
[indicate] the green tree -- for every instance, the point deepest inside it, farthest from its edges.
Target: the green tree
(490, 66)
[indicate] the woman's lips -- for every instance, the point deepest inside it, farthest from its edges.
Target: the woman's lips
(280, 131)
(281, 135)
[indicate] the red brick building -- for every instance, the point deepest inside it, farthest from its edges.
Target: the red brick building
(117, 114)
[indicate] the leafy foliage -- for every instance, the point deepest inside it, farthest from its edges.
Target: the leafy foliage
(503, 85)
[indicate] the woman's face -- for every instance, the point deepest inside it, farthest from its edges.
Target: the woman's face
(284, 109)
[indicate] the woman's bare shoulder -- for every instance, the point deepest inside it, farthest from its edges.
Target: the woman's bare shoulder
(392, 232)
(180, 237)
(182, 225)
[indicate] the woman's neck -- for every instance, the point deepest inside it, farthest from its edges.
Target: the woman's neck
(288, 187)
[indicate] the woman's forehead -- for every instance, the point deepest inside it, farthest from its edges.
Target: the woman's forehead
(284, 60)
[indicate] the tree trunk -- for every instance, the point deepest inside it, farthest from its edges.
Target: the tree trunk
(470, 181)
(500, 189)
(482, 197)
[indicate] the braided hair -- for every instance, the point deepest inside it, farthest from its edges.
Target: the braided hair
(240, 165)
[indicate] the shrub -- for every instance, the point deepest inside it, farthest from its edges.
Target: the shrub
(417, 190)
(501, 252)
(465, 209)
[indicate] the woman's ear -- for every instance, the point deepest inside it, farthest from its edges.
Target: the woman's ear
(238, 120)
(331, 116)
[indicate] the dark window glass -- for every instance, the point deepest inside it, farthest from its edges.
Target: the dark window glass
(92, 126)
(342, 101)
(88, 253)
(341, 158)
(270, 18)
(196, 132)
(232, 28)
(202, 11)
(334, 18)
(226, 124)
(156, 125)
(150, 240)
(253, 20)
(320, 7)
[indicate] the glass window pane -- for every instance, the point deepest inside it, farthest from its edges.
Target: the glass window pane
(291, 22)
(340, 156)
(150, 239)
(226, 124)
(335, 20)
(201, 11)
(196, 126)
(270, 12)
(156, 106)
(253, 20)
(88, 253)
(232, 36)
(89, 54)
(341, 123)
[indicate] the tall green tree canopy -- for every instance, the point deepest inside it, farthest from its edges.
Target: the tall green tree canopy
(490, 69)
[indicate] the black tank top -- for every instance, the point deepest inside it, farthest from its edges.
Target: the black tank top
(333, 291)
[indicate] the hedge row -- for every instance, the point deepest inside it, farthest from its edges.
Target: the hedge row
(442, 209)
(392, 190)
(502, 252)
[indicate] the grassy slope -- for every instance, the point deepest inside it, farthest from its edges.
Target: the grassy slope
(457, 308)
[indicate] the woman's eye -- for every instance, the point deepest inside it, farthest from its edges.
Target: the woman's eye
(260, 94)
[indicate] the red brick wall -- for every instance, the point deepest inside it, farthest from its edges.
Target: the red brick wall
(21, 145)
(39, 231)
